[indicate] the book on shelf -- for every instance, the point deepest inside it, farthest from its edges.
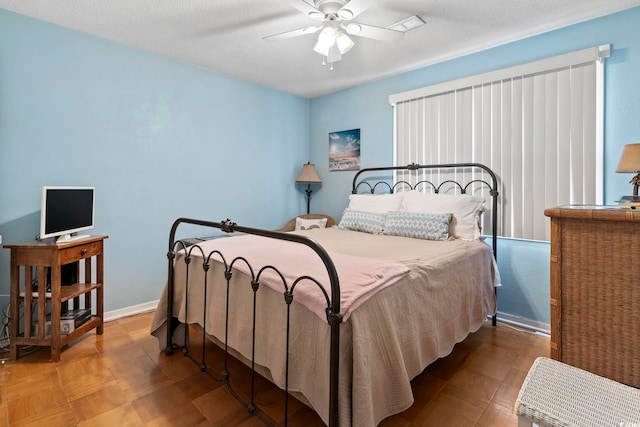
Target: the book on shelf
(71, 320)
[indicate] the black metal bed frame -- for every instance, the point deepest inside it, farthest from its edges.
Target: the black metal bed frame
(333, 313)
(493, 186)
(334, 316)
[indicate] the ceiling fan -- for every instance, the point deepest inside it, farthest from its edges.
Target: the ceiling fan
(333, 40)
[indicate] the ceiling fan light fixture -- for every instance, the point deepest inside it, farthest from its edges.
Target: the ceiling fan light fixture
(353, 28)
(321, 48)
(334, 54)
(326, 40)
(316, 15)
(327, 36)
(343, 42)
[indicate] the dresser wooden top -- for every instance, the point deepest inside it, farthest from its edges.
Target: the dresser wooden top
(594, 212)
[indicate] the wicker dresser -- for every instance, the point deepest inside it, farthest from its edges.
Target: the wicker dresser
(595, 290)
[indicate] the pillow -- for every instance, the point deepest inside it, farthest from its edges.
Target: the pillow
(368, 222)
(307, 224)
(428, 226)
(376, 203)
(466, 210)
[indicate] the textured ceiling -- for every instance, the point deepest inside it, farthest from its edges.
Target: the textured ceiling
(226, 35)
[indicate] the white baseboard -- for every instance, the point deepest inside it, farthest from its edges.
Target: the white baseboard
(521, 322)
(130, 311)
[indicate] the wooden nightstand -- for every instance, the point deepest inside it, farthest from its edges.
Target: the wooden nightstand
(31, 263)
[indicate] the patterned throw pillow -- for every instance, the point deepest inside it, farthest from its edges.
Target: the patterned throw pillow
(466, 210)
(418, 225)
(367, 222)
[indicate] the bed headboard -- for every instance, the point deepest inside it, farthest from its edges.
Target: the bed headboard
(459, 178)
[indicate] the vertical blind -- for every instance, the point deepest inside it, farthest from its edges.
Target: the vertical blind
(538, 126)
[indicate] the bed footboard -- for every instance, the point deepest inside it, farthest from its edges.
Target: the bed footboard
(187, 250)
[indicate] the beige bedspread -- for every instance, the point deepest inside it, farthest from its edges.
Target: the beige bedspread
(385, 343)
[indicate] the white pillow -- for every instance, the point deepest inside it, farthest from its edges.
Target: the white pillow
(307, 224)
(376, 203)
(466, 210)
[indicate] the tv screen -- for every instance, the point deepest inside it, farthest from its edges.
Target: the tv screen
(66, 210)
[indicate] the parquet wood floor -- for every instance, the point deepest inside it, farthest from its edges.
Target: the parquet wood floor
(122, 379)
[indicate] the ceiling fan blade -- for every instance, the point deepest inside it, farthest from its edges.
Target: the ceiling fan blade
(291, 34)
(306, 8)
(376, 33)
(356, 7)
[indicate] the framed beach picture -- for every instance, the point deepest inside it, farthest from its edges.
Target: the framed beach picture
(344, 150)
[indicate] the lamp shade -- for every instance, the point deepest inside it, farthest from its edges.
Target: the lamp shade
(309, 175)
(326, 40)
(343, 42)
(630, 159)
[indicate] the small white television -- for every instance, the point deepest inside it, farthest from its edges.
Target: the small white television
(65, 211)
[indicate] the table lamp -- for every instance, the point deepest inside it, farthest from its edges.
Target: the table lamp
(308, 176)
(630, 163)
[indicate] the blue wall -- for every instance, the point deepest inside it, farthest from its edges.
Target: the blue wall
(158, 139)
(524, 265)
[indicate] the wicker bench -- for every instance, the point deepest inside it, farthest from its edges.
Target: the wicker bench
(556, 394)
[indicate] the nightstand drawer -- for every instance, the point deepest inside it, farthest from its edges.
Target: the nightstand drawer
(80, 252)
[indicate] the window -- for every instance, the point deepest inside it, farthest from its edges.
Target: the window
(538, 126)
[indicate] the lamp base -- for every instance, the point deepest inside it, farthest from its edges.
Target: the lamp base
(636, 183)
(308, 191)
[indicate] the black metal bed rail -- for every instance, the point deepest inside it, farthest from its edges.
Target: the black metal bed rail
(333, 314)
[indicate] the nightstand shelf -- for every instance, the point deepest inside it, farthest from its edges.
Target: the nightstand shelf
(40, 262)
(90, 324)
(68, 292)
